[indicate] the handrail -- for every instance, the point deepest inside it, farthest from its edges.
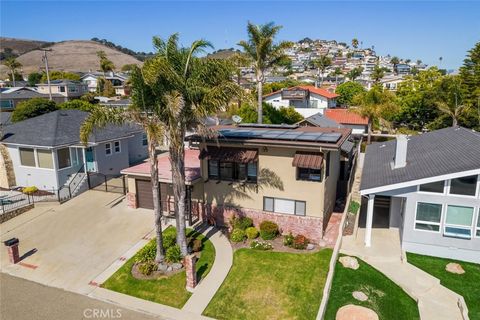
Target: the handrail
(73, 180)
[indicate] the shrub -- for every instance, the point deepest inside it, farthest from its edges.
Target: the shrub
(147, 253)
(147, 268)
(197, 245)
(288, 240)
(353, 207)
(243, 223)
(300, 242)
(252, 233)
(31, 108)
(258, 245)
(169, 238)
(238, 235)
(30, 190)
(173, 254)
(268, 230)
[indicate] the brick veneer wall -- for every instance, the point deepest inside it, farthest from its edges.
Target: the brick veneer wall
(132, 200)
(311, 227)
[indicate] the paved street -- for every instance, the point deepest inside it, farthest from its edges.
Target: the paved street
(25, 300)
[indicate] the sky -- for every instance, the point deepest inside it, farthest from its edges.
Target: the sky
(410, 29)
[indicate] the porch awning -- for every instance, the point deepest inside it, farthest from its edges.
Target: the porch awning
(228, 154)
(310, 160)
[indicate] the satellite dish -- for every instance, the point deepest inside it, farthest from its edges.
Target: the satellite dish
(236, 119)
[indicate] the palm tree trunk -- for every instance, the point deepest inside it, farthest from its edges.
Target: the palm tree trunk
(455, 121)
(239, 101)
(157, 209)
(13, 77)
(260, 98)
(177, 161)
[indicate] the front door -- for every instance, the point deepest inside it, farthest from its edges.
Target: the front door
(90, 159)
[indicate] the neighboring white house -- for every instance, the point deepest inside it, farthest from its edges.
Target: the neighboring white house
(46, 151)
(118, 81)
(307, 100)
(427, 186)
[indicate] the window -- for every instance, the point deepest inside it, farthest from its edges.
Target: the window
(6, 104)
(252, 171)
(226, 170)
(72, 89)
(466, 186)
(309, 174)
(213, 169)
(116, 146)
(436, 187)
(144, 140)
(327, 165)
(62, 89)
(285, 206)
(44, 159)
(428, 216)
(27, 157)
(478, 223)
(63, 156)
(108, 148)
(232, 171)
(459, 222)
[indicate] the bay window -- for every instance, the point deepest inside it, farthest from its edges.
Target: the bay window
(466, 186)
(458, 222)
(428, 216)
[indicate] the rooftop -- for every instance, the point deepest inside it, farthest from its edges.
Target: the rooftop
(322, 121)
(312, 89)
(436, 153)
(345, 116)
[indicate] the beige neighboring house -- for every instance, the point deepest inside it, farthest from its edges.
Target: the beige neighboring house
(67, 88)
(284, 173)
(11, 97)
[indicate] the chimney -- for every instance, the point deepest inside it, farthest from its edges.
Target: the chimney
(400, 158)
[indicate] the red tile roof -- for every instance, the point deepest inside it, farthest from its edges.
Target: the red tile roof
(345, 116)
(192, 167)
(320, 91)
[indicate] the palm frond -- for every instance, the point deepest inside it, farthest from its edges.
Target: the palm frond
(100, 117)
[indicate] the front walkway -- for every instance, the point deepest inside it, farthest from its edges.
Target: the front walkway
(385, 254)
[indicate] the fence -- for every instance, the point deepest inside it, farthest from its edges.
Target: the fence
(14, 202)
(108, 183)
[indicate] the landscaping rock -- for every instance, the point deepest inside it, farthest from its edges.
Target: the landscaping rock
(353, 312)
(360, 296)
(349, 262)
(453, 267)
(177, 266)
(310, 246)
(162, 267)
(169, 269)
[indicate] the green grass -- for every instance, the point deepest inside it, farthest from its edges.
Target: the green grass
(387, 299)
(169, 291)
(466, 285)
(353, 207)
(271, 285)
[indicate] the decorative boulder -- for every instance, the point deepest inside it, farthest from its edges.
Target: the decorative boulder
(162, 267)
(177, 266)
(310, 246)
(349, 262)
(353, 312)
(360, 296)
(453, 267)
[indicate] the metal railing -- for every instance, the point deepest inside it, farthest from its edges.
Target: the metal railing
(13, 202)
(107, 183)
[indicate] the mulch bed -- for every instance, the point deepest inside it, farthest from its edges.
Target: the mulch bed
(154, 275)
(349, 224)
(277, 244)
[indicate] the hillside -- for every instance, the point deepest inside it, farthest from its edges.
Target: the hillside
(73, 56)
(20, 46)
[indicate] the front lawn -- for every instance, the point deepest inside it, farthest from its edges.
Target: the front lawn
(466, 285)
(386, 298)
(169, 291)
(271, 285)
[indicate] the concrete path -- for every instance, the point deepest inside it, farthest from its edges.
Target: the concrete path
(207, 287)
(434, 300)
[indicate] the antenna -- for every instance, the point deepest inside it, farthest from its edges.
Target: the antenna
(236, 119)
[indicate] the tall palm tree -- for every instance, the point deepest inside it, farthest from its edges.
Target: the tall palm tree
(186, 89)
(395, 61)
(322, 63)
(265, 54)
(355, 43)
(239, 61)
(143, 113)
(13, 65)
(449, 98)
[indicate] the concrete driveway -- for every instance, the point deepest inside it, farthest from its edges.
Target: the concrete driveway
(74, 241)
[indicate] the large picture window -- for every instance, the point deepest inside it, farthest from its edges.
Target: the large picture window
(466, 186)
(459, 222)
(63, 156)
(44, 158)
(436, 187)
(27, 157)
(284, 206)
(428, 216)
(232, 171)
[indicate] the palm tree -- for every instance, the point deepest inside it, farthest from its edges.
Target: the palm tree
(143, 113)
(322, 63)
(449, 96)
(419, 62)
(13, 65)
(395, 61)
(239, 61)
(337, 72)
(355, 73)
(377, 74)
(355, 43)
(265, 54)
(105, 64)
(186, 89)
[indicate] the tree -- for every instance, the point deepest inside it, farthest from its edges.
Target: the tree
(449, 98)
(143, 112)
(78, 105)
(105, 64)
(32, 108)
(128, 67)
(265, 54)
(395, 61)
(419, 62)
(60, 75)
(12, 64)
(355, 43)
(186, 89)
(108, 89)
(34, 78)
(271, 115)
(354, 73)
(322, 63)
(239, 60)
(347, 92)
(337, 72)
(470, 77)
(377, 74)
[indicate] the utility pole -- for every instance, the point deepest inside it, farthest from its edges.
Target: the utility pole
(45, 59)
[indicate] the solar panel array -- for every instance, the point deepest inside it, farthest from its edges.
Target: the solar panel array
(325, 137)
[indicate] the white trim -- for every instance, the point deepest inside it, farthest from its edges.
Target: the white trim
(119, 146)
(109, 148)
(439, 224)
(420, 181)
(463, 195)
(476, 226)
